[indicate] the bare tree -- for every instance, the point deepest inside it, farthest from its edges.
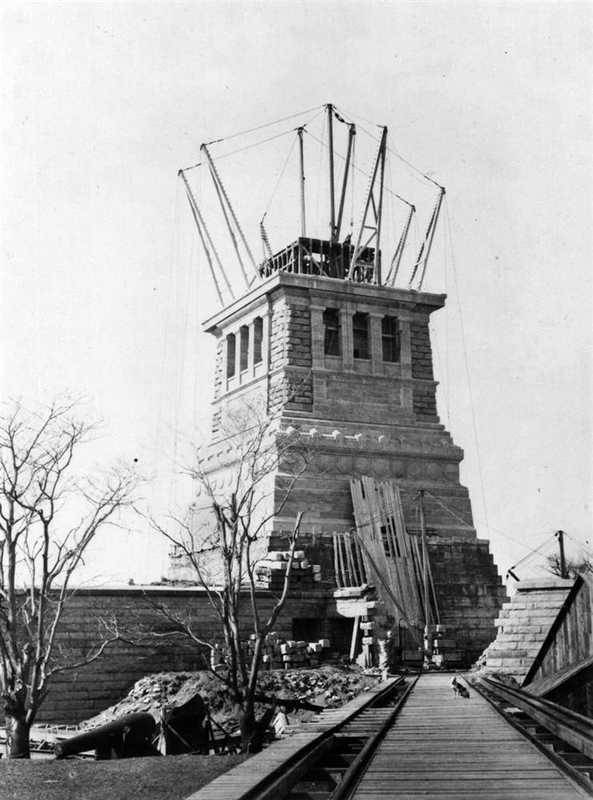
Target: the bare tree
(47, 521)
(219, 542)
(573, 567)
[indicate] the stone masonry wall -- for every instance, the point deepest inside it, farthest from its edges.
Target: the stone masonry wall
(421, 351)
(79, 694)
(291, 383)
(469, 592)
(424, 395)
(219, 368)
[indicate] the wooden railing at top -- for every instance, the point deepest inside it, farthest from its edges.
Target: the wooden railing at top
(307, 256)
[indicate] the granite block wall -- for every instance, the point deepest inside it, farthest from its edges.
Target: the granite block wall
(81, 693)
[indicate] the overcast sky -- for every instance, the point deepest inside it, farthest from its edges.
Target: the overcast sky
(104, 287)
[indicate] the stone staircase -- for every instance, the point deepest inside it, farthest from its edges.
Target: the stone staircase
(523, 625)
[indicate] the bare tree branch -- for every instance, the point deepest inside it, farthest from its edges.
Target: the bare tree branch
(40, 549)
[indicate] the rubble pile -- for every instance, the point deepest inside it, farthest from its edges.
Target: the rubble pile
(281, 653)
(328, 686)
(271, 571)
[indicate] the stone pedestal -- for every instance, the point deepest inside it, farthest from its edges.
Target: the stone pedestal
(348, 368)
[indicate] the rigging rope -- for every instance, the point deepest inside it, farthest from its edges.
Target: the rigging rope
(532, 551)
(392, 150)
(240, 149)
(358, 169)
(264, 125)
(319, 184)
(281, 175)
(467, 369)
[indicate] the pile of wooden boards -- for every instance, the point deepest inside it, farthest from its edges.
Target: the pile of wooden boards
(282, 653)
(271, 571)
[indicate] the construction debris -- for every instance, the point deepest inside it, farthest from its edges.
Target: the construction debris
(270, 572)
(281, 653)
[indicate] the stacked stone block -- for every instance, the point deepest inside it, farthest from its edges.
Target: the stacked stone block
(523, 625)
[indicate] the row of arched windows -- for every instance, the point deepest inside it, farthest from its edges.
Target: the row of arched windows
(361, 336)
(245, 332)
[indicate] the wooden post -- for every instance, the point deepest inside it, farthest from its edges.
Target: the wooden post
(354, 640)
(351, 135)
(563, 570)
(377, 265)
(332, 199)
(302, 183)
(424, 562)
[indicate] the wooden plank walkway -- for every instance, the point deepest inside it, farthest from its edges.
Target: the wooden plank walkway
(444, 747)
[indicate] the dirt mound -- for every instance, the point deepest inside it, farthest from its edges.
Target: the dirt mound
(327, 686)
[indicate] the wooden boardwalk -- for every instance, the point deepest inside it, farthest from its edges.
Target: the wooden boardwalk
(444, 747)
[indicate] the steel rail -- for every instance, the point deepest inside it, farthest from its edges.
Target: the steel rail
(573, 728)
(566, 725)
(354, 772)
(280, 782)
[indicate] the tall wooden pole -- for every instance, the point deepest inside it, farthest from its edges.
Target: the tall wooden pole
(563, 570)
(377, 265)
(351, 135)
(332, 198)
(302, 182)
(424, 560)
(219, 184)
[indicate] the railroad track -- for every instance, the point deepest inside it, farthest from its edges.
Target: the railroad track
(320, 756)
(333, 775)
(415, 739)
(563, 735)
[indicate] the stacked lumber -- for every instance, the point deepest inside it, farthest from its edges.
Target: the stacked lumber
(270, 572)
(279, 653)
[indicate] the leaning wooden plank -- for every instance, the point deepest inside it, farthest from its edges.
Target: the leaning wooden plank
(339, 583)
(354, 640)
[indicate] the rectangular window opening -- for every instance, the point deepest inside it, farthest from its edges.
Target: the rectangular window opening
(230, 355)
(331, 325)
(390, 339)
(244, 347)
(360, 335)
(258, 331)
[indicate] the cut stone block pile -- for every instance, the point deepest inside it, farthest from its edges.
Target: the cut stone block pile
(286, 653)
(271, 571)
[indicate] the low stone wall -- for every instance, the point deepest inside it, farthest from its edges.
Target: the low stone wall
(77, 694)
